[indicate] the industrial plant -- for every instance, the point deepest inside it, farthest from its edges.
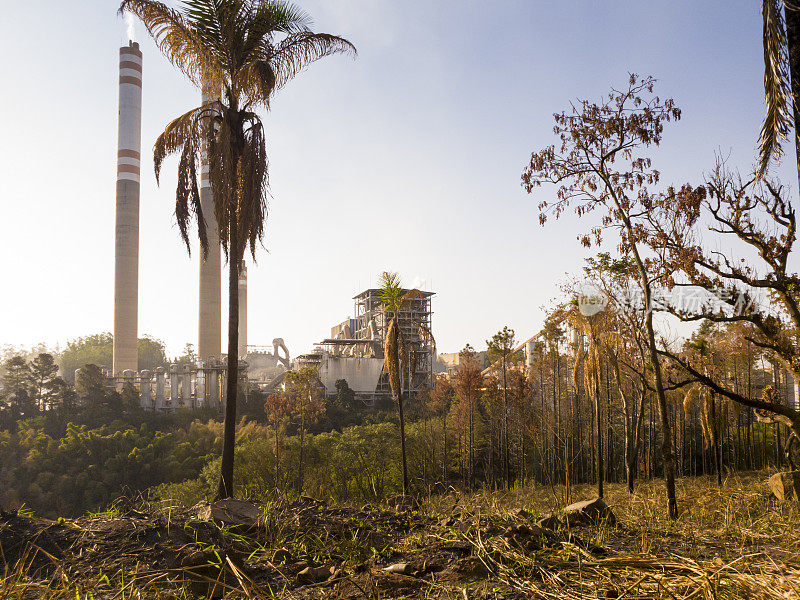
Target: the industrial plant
(353, 352)
(193, 386)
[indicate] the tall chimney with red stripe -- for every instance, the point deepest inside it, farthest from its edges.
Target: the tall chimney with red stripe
(126, 251)
(210, 304)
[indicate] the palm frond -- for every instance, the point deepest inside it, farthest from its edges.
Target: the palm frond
(689, 400)
(426, 335)
(268, 18)
(175, 136)
(240, 183)
(204, 16)
(222, 171)
(298, 50)
(284, 17)
(391, 291)
(187, 195)
(175, 36)
(707, 418)
(777, 90)
(405, 351)
(185, 134)
(407, 299)
(266, 67)
(253, 181)
(258, 84)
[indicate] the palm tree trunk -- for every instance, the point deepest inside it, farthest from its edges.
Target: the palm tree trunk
(300, 465)
(277, 462)
(396, 383)
(225, 489)
(666, 441)
(792, 19)
(506, 466)
(598, 419)
(399, 400)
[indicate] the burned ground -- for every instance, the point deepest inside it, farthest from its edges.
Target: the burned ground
(730, 543)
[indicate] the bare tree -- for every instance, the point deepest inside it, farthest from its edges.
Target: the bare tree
(467, 384)
(763, 293)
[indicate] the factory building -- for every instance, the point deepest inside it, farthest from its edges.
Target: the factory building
(354, 352)
(266, 369)
(449, 362)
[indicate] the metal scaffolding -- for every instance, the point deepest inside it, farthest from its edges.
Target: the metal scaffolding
(370, 323)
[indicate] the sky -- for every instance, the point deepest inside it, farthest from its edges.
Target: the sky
(407, 158)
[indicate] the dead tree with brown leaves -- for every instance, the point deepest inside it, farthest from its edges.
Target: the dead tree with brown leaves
(601, 164)
(763, 294)
(467, 383)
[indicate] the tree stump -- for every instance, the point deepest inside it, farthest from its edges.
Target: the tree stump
(785, 486)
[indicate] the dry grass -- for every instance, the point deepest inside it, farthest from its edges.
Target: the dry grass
(729, 542)
(737, 517)
(733, 542)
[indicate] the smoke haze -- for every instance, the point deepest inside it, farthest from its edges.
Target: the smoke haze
(131, 29)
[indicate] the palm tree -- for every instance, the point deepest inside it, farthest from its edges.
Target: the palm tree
(246, 50)
(586, 314)
(781, 79)
(400, 354)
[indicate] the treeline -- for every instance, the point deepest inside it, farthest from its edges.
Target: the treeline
(545, 423)
(31, 389)
(67, 449)
(85, 469)
(538, 423)
(96, 349)
(473, 429)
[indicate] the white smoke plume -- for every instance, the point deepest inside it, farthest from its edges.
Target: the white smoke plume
(131, 29)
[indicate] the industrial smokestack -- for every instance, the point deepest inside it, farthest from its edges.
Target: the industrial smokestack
(126, 251)
(210, 303)
(243, 311)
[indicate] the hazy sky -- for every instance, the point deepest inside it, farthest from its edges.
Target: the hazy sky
(408, 158)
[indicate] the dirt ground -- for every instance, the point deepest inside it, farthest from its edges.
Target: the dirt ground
(734, 542)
